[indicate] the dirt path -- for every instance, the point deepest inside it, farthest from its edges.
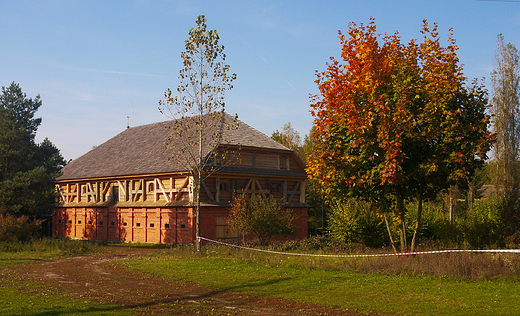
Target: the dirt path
(102, 278)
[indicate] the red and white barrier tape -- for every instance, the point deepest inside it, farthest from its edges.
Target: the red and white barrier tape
(360, 256)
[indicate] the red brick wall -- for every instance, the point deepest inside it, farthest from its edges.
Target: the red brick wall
(301, 222)
(113, 225)
(147, 225)
(208, 219)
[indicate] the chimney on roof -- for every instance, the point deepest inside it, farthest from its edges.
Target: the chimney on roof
(128, 122)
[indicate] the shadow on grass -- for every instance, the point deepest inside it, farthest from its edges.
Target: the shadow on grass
(150, 304)
(10, 262)
(22, 259)
(77, 311)
(138, 245)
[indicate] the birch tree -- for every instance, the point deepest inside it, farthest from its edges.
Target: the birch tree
(198, 107)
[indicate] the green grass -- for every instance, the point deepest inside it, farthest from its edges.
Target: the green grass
(22, 302)
(43, 249)
(320, 281)
(22, 298)
(19, 297)
(325, 281)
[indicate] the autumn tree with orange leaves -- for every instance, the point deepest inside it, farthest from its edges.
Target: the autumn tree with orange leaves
(395, 122)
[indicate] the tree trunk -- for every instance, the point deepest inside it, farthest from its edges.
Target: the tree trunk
(417, 223)
(383, 207)
(452, 201)
(315, 211)
(471, 196)
(197, 212)
(199, 182)
(322, 215)
(389, 233)
(401, 211)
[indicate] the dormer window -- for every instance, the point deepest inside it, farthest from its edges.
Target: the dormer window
(283, 162)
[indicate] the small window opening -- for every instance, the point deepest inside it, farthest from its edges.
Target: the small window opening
(150, 187)
(276, 187)
(112, 223)
(183, 225)
(167, 225)
(59, 221)
(224, 186)
(79, 222)
(152, 225)
(70, 221)
(101, 223)
(138, 224)
(115, 194)
(90, 222)
(124, 224)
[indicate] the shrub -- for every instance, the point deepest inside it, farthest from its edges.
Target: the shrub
(483, 224)
(434, 222)
(263, 217)
(513, 240)
(320, 244)
(352, 221)
(18, 228)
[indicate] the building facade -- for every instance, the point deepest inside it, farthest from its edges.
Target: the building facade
(137, 186)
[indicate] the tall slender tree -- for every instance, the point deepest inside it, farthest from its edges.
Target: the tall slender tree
(198, 109)
(505, 80)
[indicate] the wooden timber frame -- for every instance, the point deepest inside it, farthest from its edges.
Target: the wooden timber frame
(99, 201)
(163, 191)
(108, 209)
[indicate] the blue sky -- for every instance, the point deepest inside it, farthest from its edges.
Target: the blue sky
(96, 62)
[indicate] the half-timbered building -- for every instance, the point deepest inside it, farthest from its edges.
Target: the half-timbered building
(135, 188)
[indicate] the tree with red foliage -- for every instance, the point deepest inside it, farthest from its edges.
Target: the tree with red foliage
(395, 122)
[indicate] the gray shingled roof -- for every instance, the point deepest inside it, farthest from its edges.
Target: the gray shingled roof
(141, 150)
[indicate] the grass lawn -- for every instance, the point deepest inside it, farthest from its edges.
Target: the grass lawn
(22, 298)
(323, 281)
(41, 250)
(25, 302)
(298, 279)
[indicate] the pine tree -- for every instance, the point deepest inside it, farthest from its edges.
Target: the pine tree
(27, 169)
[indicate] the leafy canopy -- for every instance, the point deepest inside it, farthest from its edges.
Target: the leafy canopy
(199, 103)
(396, 118)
